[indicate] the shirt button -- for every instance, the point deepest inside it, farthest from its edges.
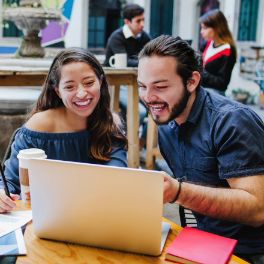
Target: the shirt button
(172, 124)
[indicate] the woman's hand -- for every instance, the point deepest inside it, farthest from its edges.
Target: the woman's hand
(7, 204)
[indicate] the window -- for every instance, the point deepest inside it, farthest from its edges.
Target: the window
(161, 17)
(10, 29)
(104, 18)
(96, 31)
(248, 16)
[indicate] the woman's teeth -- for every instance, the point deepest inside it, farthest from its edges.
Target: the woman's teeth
(83, 103)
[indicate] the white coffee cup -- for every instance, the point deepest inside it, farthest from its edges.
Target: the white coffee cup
(24, 156)
(120, 60)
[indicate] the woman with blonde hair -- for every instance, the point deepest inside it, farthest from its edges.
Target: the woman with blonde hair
(219, 56)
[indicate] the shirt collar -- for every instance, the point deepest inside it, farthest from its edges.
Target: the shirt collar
(197, 106)
(195, 110)
(127, 32)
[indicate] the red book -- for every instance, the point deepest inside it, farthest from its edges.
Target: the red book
(196, 246)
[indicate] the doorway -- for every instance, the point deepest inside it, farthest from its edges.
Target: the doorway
(104, 18)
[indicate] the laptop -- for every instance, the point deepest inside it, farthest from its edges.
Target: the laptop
(95, 205)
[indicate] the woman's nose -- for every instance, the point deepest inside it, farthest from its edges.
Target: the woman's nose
(81, 92)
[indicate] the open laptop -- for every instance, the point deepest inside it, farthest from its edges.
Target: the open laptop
(96, 205)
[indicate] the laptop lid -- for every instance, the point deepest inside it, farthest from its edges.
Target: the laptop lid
(96, 205)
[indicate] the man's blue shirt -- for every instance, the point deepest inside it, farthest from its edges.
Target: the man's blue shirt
(221, 139)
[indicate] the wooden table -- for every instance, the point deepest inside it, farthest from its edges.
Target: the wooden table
(46, 251)
(22, 73)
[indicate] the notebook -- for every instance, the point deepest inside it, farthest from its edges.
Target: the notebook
(196, 246)
(102, 206)
(13, 244)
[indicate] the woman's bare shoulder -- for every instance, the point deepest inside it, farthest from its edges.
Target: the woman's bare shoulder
(43, 121)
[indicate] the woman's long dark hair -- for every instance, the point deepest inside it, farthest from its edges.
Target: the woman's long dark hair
(104, 131)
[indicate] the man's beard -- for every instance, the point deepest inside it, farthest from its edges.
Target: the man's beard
(177, 109)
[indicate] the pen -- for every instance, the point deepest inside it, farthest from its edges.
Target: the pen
(4, 181)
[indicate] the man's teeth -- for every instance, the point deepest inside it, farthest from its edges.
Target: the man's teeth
(157, 107)
(83, 103)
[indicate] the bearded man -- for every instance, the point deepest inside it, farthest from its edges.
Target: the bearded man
(213, 145)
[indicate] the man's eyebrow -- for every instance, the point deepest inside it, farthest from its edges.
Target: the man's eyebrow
(155, 82)
(162, 80)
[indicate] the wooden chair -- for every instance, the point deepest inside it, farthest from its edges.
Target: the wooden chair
(8, 149)
(186, 217)
(152, 150)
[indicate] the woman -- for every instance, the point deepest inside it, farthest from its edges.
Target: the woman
(71, 120)
(219, 56)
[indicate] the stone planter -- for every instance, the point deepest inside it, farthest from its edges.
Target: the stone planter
(30, 20)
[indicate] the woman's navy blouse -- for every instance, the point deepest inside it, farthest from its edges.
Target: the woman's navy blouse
(70, 146)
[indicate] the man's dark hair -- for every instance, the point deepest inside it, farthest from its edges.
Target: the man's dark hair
(188, 60)
(132, 10)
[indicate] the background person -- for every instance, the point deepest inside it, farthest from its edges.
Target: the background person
(129, 39)
(71, 121)
(213, 145)
(219, 55)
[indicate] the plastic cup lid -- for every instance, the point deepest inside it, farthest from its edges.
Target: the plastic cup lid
(31, 153)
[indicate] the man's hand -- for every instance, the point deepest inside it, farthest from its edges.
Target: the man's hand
(170, 188)
(7, 204)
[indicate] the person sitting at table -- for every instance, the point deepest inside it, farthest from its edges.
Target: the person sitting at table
(213, 145)
(71, 120)
(129, 39)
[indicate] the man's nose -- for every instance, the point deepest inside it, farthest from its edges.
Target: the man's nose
(148, 96)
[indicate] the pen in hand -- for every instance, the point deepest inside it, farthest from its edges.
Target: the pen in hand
(4, 181)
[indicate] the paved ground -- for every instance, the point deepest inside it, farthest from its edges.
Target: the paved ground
(171, 211)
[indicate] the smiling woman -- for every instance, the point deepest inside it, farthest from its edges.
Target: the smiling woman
(71, 120)
(79, 89)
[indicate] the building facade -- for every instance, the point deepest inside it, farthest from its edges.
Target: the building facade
(90, 22)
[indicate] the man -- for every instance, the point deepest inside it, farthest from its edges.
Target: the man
(130, 38)
(214, 146)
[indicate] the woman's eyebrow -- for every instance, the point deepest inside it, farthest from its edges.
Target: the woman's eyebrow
(68, 81)
(89, 77)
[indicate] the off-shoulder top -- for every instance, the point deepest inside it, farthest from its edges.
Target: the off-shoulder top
(70, 146)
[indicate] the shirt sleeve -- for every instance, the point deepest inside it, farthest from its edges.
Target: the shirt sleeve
(132, 61)
(118, 157)
(239, 143)
(222, 78)
(11, 165)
